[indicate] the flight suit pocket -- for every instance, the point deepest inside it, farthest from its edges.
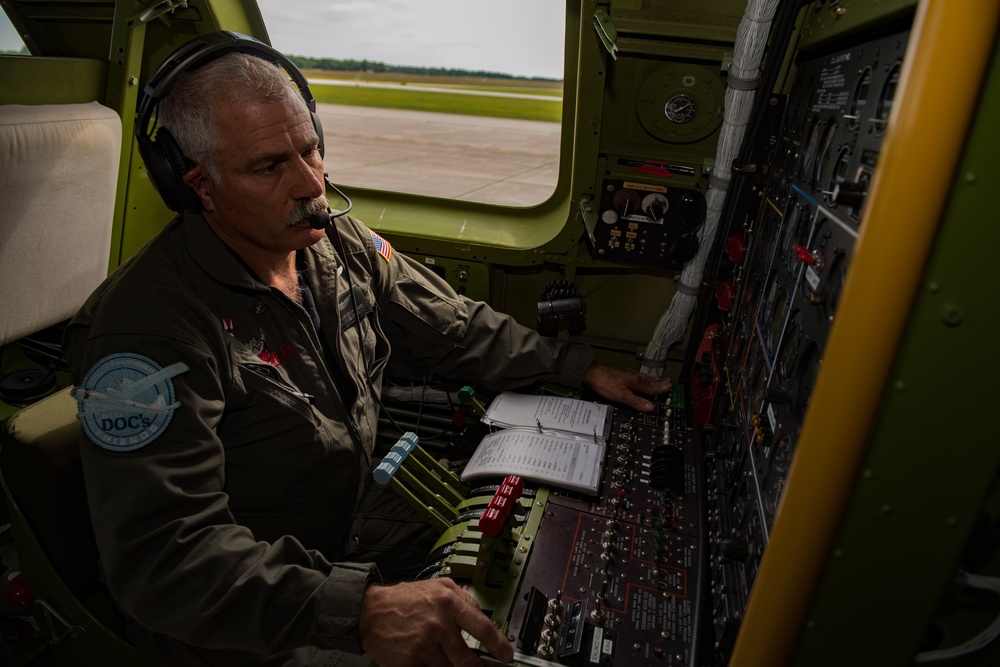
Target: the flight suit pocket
(423, 313)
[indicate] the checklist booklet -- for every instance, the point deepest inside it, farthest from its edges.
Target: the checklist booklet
(552, 440)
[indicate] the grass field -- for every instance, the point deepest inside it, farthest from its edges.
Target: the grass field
(405, 97)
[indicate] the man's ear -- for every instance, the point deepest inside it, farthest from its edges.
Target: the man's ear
(197, 179)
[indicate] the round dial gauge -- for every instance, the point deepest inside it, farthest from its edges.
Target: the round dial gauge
(822, 166)
(790, 351)
(680, 109)
(810, 150)
(886, 99)
(860, 99)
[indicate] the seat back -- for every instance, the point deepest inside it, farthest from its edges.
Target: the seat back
(58, 178)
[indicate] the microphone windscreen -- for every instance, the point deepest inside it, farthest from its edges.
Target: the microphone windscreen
(319, 220)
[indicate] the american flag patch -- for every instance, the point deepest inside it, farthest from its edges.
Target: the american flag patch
(382, 246)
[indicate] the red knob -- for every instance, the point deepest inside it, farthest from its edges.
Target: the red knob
(804, 255)
(736, 248)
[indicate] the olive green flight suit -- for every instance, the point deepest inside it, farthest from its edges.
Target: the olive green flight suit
(222, 536)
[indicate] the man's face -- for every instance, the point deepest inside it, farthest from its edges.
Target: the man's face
(269, 165)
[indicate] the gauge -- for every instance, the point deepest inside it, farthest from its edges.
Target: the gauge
(681, 103)
(825, 156)
(839, 173)
(885, 100)
(789, 351)
(860, 100)
(834, 284)
(810, 150)
(808, 370)
(655, 206)
(681, 109)
(863, 183)
(781, 460)
(626, 203)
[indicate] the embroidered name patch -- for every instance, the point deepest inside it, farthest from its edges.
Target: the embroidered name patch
(353, 304)
(126, 401)
(382, 246)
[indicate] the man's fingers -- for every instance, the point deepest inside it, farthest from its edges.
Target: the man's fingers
(473, 621)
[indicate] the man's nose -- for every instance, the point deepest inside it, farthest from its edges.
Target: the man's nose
(308, 180)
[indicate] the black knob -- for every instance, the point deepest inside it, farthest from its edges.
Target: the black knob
(849, 194)
(736, 550)
(691, 209)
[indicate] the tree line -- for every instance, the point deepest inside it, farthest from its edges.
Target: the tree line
(304, 62)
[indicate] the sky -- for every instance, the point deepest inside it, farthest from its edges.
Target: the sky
(520, 37)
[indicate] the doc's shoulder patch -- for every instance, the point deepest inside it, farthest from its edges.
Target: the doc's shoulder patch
(126, 401)
(382, 246)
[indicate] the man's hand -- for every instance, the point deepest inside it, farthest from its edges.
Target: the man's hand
(621, 386)
(421, 623)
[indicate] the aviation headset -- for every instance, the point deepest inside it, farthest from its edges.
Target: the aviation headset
(164, 160)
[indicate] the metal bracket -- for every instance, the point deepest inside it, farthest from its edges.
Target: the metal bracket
(54, 628)
(156, 11)
(606, 31)
(589, 218)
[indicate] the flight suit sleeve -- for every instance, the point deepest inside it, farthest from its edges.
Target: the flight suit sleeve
(462, 339)
(174, 558)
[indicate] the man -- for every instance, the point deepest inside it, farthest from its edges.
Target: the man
(229, 377)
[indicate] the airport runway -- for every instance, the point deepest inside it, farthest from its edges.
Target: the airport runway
(494, 160)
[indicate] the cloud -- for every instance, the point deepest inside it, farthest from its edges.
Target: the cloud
(522, 37)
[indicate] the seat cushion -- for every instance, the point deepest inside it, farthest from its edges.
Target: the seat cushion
(40, 459)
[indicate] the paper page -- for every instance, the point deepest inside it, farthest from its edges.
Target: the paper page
(559, 461)
(550, 413)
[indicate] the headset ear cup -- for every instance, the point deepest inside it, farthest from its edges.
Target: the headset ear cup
(167, 165)
(318, 126)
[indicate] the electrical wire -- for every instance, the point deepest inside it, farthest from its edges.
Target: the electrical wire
(981, 640)
(751, 39)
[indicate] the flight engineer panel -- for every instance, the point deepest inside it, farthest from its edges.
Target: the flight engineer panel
(657, 567)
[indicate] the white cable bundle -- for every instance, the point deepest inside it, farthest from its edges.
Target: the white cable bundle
(751, 38)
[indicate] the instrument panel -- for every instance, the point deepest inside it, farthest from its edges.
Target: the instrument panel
(658, 567)
(766, 349)
(610, 579)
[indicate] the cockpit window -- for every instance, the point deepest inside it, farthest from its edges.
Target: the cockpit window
(10, 40)
(444, 98)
